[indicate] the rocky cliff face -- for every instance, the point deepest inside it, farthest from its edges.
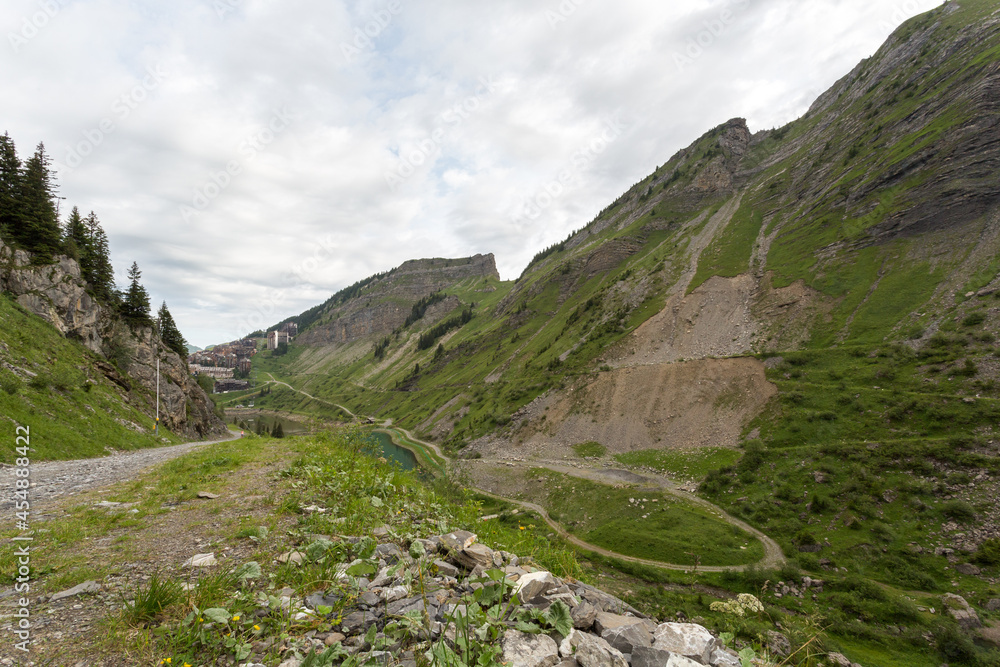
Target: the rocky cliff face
(57, 293)
(384, 304)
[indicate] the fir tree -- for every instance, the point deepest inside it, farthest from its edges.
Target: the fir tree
(169, 333)
(75, 240)
(10, 187)
(97, 268)
(37, 230)
(135, 302)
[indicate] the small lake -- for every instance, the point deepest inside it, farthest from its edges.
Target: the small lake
(382, 445)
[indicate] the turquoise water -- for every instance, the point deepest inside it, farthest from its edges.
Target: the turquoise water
(384, 446)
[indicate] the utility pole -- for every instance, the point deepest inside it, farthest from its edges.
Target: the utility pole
(156, 427)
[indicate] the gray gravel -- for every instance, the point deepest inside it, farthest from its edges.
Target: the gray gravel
(57, 479)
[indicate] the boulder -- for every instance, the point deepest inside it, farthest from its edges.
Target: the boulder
(993, 605)
(968, 569)
(656, 657)
(584, 615)
(959, 609)
(623, 632)
(685, 639)
(533, 585)
(591, 651)
(524, 650)
(778, 644)
(475, 555)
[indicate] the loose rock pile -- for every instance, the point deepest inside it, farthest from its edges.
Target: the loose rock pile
(434, 581)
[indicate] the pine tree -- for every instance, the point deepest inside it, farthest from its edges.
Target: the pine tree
(10, 187)
(99, 272)
(169, 333)
(75, 240)
(37, 230)
(135, 303)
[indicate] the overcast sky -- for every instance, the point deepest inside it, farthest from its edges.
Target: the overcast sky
(255, 156)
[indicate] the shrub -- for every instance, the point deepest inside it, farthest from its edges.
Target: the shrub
(973, 319)
(9, 382)
(989, 552)
(958, 510)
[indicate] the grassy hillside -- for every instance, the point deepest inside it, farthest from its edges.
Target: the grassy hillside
(61, 392)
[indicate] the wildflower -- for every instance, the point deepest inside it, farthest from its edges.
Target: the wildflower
(236, 618)
(256, 628)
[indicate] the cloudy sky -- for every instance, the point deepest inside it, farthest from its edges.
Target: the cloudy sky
(255, 156)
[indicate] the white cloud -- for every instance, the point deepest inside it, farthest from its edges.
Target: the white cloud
(480, 105)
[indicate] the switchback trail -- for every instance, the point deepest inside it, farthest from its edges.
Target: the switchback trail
(773, 556)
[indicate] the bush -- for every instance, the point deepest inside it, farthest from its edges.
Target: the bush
(958, 510)
(9, 382)
(973, 319)
(989, 552)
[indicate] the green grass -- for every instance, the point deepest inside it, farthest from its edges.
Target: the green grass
(657, 526)
(690, 464)
(590, 449)
(71, 409)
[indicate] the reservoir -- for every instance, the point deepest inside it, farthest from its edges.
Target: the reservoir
(382, 445)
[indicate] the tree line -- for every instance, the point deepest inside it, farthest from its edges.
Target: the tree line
(29, 220)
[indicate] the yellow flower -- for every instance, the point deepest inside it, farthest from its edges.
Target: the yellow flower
(236, 618)
(257, 628)
(187, 664)
(201, 620)
(520, 527)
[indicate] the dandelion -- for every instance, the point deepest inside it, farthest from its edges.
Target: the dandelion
(236, 618)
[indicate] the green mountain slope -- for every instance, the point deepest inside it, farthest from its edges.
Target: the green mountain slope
(817, 303)
(74, 402)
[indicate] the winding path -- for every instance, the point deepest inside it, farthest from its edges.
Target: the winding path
(773, 555)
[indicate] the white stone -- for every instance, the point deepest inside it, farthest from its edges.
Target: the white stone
(201, 560)
(524, 650)
(686, 639)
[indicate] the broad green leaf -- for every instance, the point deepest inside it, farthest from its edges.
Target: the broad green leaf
(217, 615)
(250, 570)
(559, 618)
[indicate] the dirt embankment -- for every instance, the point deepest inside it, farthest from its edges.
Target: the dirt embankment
(700, 403)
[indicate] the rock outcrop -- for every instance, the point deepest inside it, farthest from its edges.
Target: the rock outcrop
(58, 294)
(384, 303)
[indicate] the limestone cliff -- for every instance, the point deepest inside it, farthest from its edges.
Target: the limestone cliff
(57, 293)
(383, 304)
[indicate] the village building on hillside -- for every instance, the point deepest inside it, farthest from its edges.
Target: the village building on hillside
(276, 338)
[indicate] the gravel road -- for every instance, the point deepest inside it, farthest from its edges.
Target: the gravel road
(57, 479)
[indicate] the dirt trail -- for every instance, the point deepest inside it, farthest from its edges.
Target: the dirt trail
(54, 479)
(773, 556)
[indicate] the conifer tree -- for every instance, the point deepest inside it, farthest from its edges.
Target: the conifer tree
(75, 240)
(37, 230)
(97, 266)
(169, 333)
(135, 303)
(10, 187)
